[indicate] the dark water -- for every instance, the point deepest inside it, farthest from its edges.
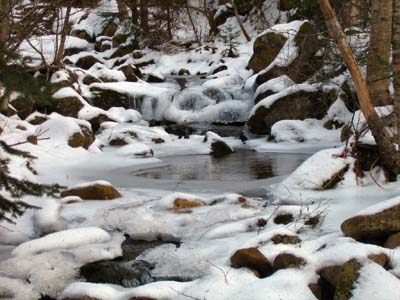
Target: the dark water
(243, 165)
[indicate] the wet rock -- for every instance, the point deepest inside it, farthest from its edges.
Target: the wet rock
(155, 78)
(181, 203)
(96, 191)
(298, 105)
(393, 241)
(381, 259)
(376, 226)
(288, 260)
(283, 219)
(158, 141)
(106, 98)
(266, 48)
(348, 276)
(128, 274)
(181, 130)
(285, 239)
(219, 69)
(220, 149)
(252, 258)
(83, 139)
(86, 62)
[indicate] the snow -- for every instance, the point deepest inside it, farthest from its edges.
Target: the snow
(63, 239)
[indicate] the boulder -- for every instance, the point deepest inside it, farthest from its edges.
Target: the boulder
(184, 72)
(283, 219)
(68, 106)
(38, 119)
(106, 98)
(306, 64)
(266, 48)
(300, 104)
(285, 239)
(118, 142)
(220, 149)
(330, 274)
(181, 203)
(82, 34)
(95, 191)
(155, 78)
(98, 120)
(110, 29)
(288, 260)
(86, 62)
(253, 259)
(348, 276)
(131, 72)
(381, 259)
(124, 50)
(119, 39)
(393, 241)
(89, 79)
(83, 139)
(378, 226)
(23, 106)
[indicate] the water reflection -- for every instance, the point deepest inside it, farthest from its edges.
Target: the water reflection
(242, 165)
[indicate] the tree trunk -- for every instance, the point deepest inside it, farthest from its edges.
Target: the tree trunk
(396, 67)
(351, 13)
(144, 15)
(122, 10)
(246, 35)
(378, 64)
(5, 21)
(193, 25)
(64, 33)
(169, 21)
(389, 154)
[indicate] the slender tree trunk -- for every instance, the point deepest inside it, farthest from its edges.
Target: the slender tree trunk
(388, 151)
(241, 25)
(193, 25)
(5, 21)
(351, 13)
(396, 67)
(378, 64)
(144, 15)
(169, 20)
(63, 40)
(123, 10)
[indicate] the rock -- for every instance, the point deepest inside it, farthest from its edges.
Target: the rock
(393, 241)
(32, 139)
(109, 29)
(180, 203)
(220, 149)
(89, 79)
(23, 106)
(381, 259)
(298, 105)
(83, 139)
(95, 191)
(86, 62)
(98, 120)
(288, 260)
(252, 258)
(103, 43)
(376, 226)
(119, 39)
(37, 120)
(266, 48)
(219, 69)
(158, 141)
(124, 50)
(128, 274)
(106, 98)
(330, 274)
(283, 219)
(184, 72)
(316, 290)
(82, 34)
(155, 78)
(68, 106)
(285, 239)
(180, 130)
(306, 64)
(286, 5)
(118, 142)
(348, 276)
(313, 221)
(131, 72)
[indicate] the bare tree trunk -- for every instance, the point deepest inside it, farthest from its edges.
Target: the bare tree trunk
(123, 10)
(246, 35)
(389, 153)
(144, 15)
(378, 64)
(351, 13)
(193, 25)
(64, 33)
(169, 21)
(396, 67)
(5, 21)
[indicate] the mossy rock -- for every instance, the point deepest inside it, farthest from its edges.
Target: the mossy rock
(23, 106)
(86, 62)
(96, 191)
(89, 79)
(299, 105)
(68, 107)
(253, 259)
(374, 227)
(83, 139)
(348, 276)
(288, 260)
(283, 219)
(124, 50)
(82, 34)
(98, 120)
(119, 39)
(131, 72)
(285, 239)
(108, 98)
(266, 48)
(37, 120)
(306, 64)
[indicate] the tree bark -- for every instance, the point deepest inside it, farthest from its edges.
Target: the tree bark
(193, 25)
(378, 64)
(5, 21)
(351, 13)
(144, 15)
(246, 35)
(396, 67)
(383, 137)
(64, 33)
